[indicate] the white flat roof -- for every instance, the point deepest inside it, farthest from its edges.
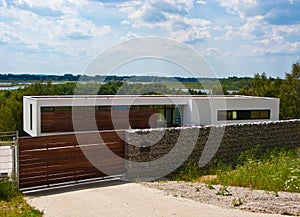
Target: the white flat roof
(146, 97)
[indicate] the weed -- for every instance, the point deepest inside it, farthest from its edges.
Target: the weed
(237, 201)
(210, 186)
(223, 191)
(211, 183)
(7, 190)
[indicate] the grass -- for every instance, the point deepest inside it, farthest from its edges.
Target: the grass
(4, 143)
(276, 170)
(189, 171)
(12, 202)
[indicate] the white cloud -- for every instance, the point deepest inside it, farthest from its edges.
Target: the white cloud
(170, 16)
(275, 47)
(253, 27)
(130, 35)
(201, 2)
(28, 29)
(263, 31)
(238, 6)
(53, 4)
(6, 33)
(195, 29)
(211, 51)
(125, 22)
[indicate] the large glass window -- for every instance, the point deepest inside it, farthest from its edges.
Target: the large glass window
(168, 115)
(77, 108)
(243, 114)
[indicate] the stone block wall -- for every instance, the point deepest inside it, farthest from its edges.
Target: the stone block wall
(154, 153)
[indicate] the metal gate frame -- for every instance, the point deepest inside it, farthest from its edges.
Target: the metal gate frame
(12, 137)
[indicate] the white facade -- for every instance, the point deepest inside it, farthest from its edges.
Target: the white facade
(194, 110)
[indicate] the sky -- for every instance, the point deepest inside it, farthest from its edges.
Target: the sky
(236, 37)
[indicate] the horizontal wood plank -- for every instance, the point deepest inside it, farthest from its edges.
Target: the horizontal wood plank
(54, 159)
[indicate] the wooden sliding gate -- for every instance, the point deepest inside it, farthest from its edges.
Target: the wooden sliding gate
(58, 159)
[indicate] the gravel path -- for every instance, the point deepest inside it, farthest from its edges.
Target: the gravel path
(245, 199)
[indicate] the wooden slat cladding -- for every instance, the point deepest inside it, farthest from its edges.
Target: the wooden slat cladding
(60, 158)
(61, 121)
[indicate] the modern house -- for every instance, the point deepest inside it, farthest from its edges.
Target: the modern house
(52, 115)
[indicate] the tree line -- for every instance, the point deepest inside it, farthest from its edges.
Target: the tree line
(287, 89)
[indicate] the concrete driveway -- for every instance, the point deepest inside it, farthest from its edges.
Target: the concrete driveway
(117, 198)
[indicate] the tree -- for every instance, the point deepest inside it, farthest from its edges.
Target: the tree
(290, 93)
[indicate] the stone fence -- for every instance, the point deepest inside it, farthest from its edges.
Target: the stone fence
(154, 153)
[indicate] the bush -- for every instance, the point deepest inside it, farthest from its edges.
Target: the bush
(7, 190)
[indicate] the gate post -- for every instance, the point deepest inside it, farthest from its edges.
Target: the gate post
(15, 159)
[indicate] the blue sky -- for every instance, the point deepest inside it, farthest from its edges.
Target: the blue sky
(237, 37)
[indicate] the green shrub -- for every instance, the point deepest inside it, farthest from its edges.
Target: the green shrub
(7, 190)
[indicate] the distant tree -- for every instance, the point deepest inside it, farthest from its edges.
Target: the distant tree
(220, 90)
(290, 93)
(262, 86)
(288, 90)
(196, 92)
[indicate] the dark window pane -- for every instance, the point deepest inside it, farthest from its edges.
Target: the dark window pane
(63, 108)
(243, 115)
(255, 114)
(264, 114)
(47, 109)
(222, 115)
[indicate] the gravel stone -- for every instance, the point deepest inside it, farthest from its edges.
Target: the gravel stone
(260, 201)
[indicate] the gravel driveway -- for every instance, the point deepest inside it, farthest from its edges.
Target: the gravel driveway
(116, 199)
